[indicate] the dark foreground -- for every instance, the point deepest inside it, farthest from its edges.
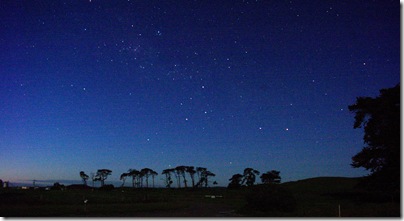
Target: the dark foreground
(317, 197)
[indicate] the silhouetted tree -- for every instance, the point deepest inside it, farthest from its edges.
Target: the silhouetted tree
(249, 176)
(181, 172)
(199, 171)
(191, 171)
(145, 172)
(271, 177)
(123, 178)
(207, 174)
(168, 180)
(380, 118)
(153, 174)
(57, 186)
(235, 181)
(84, 177)
(135, 174)
(102, 175)
(203, 175)
(178, 174)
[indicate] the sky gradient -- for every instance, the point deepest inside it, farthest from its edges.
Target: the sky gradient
(91, 84)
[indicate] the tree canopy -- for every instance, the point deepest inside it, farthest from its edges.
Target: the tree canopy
(271, 177)
(84, 177)
(380, 118)
(102, 175)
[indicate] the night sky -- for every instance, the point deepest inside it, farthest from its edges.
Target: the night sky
(91, 84)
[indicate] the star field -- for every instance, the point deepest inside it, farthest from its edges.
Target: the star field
(224, 85)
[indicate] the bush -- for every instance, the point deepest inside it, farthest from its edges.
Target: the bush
(270, 198)
(57, 186)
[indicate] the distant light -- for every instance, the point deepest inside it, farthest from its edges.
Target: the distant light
(287, 129)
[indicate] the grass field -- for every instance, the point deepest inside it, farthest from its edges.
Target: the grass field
(316, 197)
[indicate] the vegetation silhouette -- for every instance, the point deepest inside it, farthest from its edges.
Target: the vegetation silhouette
(249, 176)
(123, 178)
(102, 175)
(271, 177)
(168, 180)
(136, 176)
(84, 177)
(380, 118)
(203, 175)
(146, 173)
(235, 181)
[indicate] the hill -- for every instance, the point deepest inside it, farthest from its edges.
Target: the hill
(339, 196)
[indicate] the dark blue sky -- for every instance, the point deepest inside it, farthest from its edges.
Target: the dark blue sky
(226, 85)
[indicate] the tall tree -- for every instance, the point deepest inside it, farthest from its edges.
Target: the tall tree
(206, 175)
(181, 172)
(235, 181)
(380, 118)
(102, 175)
(123, 178)
(147, 172)
(153, 174)
(84, 177)
(271, 177)
(135, 177)
(201, 178)
(203, 175)
(191, 171)
(249, 176)
(168, 180)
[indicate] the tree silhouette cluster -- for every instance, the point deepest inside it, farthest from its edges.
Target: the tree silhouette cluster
(140, 178)
(101, 175)
(180, 172)
(380, 118)
(249, 176)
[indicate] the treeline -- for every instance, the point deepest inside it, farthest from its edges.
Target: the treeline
(182, 175)
(199, 177)
(249, 175)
